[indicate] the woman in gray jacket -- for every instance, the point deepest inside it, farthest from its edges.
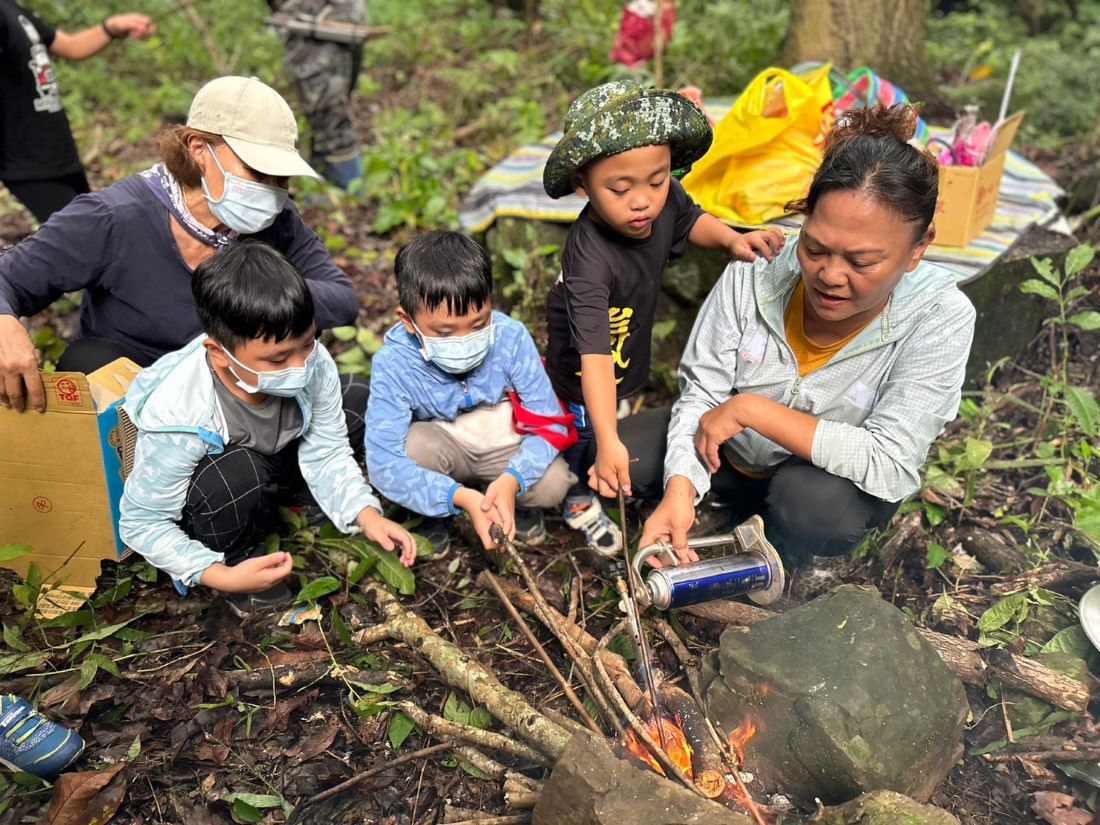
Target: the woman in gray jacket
(813, 385)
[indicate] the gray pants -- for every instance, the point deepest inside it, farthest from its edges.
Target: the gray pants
(475, 449)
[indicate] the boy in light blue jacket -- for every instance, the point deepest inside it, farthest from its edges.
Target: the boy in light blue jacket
(233, 424)
(451, 386)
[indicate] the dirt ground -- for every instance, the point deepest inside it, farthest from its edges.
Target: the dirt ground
(187, 687)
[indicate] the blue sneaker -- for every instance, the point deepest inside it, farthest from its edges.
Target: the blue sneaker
(31, 743)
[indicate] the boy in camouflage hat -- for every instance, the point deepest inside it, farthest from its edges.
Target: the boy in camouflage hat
(621, 145)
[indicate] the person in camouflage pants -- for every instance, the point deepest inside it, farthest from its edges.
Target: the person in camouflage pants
(325, 74)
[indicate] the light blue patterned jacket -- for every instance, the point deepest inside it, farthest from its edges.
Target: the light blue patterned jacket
(406, 388)
(175, 408)
(881, 401)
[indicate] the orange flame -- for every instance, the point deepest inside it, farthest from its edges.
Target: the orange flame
(678, 752)
(740, 737)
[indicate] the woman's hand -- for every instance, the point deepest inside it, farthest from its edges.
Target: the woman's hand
(671, 521)
(388, 534)
(719, 425)
(19, 366)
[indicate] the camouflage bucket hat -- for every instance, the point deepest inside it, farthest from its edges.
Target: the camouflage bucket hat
(620, 116)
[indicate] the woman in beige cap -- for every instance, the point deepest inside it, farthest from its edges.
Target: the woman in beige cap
(131, 248)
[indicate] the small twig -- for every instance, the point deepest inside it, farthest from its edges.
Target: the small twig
(1008, 722)
(541, 651)
(439, 726)
(336, 790)
(545, 614)
(688, 663)
(575, 586)
(493, 768)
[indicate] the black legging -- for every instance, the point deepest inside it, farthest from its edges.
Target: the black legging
(45, 196)
(233, 498)
(807, 511)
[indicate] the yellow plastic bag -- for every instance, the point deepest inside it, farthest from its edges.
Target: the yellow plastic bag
(767, 147)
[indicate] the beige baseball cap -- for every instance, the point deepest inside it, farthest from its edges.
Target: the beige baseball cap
(254, 120)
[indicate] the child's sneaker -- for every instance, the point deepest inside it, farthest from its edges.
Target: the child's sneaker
(530, 527)
(438, 533)
(587, 515)
(274, 598)
(31, 743)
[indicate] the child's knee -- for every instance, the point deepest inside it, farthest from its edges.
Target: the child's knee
(550, 490)
(430, 447)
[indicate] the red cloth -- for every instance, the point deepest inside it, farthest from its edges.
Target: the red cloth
(634, 41)
(526, 422)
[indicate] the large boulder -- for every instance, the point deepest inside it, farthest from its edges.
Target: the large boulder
(845, 696)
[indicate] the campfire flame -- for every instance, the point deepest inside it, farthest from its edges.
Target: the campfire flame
(679, 751)
(740, 737)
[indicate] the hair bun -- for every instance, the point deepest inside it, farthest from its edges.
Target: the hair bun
(898, 121)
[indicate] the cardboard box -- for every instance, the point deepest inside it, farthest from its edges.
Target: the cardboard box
(62, 473)
(968, 194)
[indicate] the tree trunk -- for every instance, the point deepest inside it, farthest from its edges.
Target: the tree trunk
(887, 37)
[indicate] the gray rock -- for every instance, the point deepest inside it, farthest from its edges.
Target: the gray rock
(886, 808)
(846, 698)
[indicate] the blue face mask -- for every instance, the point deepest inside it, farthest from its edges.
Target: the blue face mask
(245, 206)
(285, 382)
(457, 354)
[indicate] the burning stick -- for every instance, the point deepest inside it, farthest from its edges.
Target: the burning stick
(670, 768)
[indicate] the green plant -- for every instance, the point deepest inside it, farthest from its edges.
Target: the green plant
(363, 344)
(1072, 479)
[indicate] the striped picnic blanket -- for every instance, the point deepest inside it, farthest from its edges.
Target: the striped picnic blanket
(513, 188)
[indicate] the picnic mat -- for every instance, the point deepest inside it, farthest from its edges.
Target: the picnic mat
(513, 188)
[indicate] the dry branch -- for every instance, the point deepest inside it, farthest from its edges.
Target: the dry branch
(519, 796)
(616, 666)
(461, 671)
(1051, 576)
(730, 613)
(446, 729)
(494, 583)
(975, 667)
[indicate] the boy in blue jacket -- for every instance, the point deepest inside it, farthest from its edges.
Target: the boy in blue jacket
(233, 424)
(440, 415)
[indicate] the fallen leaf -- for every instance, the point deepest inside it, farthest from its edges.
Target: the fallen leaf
(212, 752)
(73, 792)
(58, 695)
(1059, 809)
(106, 803)
(208, 783)
(313, 746)
(276, 720)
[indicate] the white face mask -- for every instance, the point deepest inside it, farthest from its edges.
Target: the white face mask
(286, 382)
(246, 206)
(457, 354)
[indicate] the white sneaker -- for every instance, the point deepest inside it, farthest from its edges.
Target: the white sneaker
(600, 532)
